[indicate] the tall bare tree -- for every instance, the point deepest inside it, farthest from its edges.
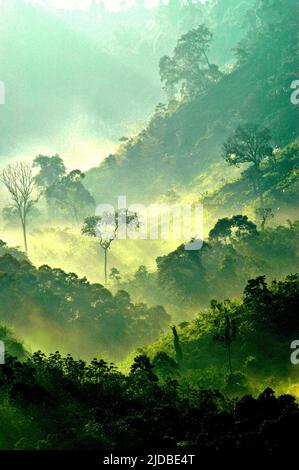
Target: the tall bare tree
(106, 227)
(19, 181)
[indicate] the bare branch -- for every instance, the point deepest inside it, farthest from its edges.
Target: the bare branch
(18, 180)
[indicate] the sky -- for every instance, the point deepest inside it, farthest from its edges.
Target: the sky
(110, 5)
(76, 82)
(70, 86)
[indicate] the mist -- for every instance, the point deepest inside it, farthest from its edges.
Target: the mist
(75, 82)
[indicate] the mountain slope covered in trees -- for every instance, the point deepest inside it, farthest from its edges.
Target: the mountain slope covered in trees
(190, 394)
(185, 136)
(239, 345)
(56, 309)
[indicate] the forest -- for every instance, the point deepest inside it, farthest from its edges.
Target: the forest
(116, 343)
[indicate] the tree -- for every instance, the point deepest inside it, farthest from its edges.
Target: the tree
(65, 194)
(250, 145)
(273, 308)
(189, 65)
(183, 273)
(221, 231)
(192, 47)
(73, 306)
(264, 214)
(164, 365)
(143, 366)
(141, 273)
(51, 169)
(242, 227)
(70, 196)
(106, 227)
(19, 181)
(226, 327)
(115, 275)
(11, 217)
(177, 346)
(228, 334)
(237, 227)
(169, 74)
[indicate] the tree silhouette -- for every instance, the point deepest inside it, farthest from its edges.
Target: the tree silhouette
(51, 169)
(177, 346)
(264, 214)
(238, 226)
(189, 64)
(249, 144)
(19, 181)
(115, 275)
(106, 227)
(228, 334)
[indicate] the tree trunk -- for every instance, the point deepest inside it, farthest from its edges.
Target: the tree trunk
(229, 360)
(25, 236)
(105, 265)
(261, 197)
(207, 60)
(177, 346)
(259, 186)
(228, 344)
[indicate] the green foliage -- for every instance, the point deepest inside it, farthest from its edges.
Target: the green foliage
(106, 227)
(115, 275)
(68, 197)
(235, 252)
(81, 316)
(183, 272)
(189, 67)
(238, 227)
(184, 389)
(142, 366)
(13, 347)
(51, 169)
(274, 307)
(54, 402)
(165, 365)
(184, 138)
(256, 333)
(177, 347)
(279, 185)
(249, 145)
(8, 250)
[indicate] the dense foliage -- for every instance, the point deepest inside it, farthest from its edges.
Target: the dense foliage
(235, 251)
(82, 316)
(262, 328)
(176, 401)
(184, 137)
(60, 403)
(279, 185)
(201, 337)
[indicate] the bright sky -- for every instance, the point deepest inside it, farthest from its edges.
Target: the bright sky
(110, 5)
(82, 124)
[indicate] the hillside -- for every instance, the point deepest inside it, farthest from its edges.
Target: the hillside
(13, 346)
(280, 188)
(184, 138)
(168, 331)
(185, 281)
(199, 352)
(54, 309)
